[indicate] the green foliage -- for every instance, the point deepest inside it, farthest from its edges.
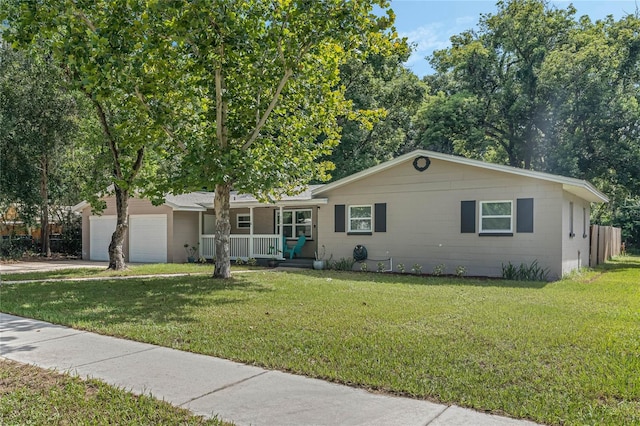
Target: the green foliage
(38, 116)
(417, 269)
(13, 249)
(384, 96)
(401, 268)
(364, 267)
(439, 269)
(343, 264)
(524, 272)
(461, 271)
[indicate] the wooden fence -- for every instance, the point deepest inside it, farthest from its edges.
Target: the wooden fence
(606, 242)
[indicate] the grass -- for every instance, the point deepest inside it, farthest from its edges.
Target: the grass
(132, 270)
(565, 352)
(31, 395)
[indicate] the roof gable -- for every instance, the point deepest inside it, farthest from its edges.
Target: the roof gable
(580, 188)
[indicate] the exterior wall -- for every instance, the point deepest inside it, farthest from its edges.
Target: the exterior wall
(423, 219)
(136, 206)
(575, 242)
(185, 231)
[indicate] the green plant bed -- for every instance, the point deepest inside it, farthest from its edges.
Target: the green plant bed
(565, 352)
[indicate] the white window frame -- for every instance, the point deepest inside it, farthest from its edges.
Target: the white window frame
(294, 226)
(243, 220)
(370, 218)
(495, 231)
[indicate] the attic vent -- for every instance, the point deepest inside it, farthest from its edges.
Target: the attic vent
(421, 163)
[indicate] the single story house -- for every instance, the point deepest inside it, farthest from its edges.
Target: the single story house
(423, 208)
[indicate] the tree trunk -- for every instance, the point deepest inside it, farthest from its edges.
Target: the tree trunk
(45, 245)
(116, 252)
(223, 231)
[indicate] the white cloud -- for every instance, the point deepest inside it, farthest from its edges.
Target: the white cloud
(425, 40)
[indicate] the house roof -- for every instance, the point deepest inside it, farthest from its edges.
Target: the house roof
(202, 200)
(578, 187)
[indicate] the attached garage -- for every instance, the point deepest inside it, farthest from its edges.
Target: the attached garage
(148, 238)
(101, 229)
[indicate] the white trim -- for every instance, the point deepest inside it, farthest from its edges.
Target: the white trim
(370, 218)
(80, 206)
(246, 222)
(179, 208)
(293, 224)
(496, 231)
(578, 187)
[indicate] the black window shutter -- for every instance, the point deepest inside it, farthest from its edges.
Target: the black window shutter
(339, 218)
(524, 215)
(380, 217)
(468, 217)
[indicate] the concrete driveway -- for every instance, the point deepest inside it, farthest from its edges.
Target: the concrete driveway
(48, 265)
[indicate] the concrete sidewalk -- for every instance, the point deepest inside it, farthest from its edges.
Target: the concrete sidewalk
(208, 386)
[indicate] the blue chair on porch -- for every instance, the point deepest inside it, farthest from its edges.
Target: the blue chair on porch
(297, 249)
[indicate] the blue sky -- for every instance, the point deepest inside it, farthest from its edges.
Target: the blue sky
(430, 23)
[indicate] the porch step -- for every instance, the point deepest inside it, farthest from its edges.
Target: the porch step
(297, 263)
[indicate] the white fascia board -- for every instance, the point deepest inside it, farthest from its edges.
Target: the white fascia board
(179, 208)
(79, 207)
(283, 203)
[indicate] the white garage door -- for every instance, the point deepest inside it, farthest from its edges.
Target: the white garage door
(148, 238)
(100, 231)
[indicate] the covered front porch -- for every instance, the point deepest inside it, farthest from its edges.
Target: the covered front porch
(260, 231)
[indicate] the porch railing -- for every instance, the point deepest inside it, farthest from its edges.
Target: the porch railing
(243, 246)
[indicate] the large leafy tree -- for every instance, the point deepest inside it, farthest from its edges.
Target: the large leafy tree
(259, 97)
(385, 96)
(494, 77)
(38, 117)
(103, 48)
(536, 88)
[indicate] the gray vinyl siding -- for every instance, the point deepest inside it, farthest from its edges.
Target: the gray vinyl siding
(423, 219)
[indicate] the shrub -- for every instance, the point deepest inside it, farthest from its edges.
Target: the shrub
(363, 266)
(344, 264)
(439, 269)
(524, 272)
(401, 268)
(417, 269)
(460, 271)
(252, 261)
(11, 249)
(381, 267)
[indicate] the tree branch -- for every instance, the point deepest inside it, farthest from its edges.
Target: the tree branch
(274, 101)
(166, 130)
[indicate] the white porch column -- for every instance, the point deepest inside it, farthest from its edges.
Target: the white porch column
(251, 232)
(281, 233)
(199, 235)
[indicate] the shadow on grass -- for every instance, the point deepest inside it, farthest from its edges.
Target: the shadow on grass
(621, 265)
(110, 302)
(397, 278)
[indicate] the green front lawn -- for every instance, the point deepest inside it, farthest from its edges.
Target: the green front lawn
(34, 396)
(566, 352)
